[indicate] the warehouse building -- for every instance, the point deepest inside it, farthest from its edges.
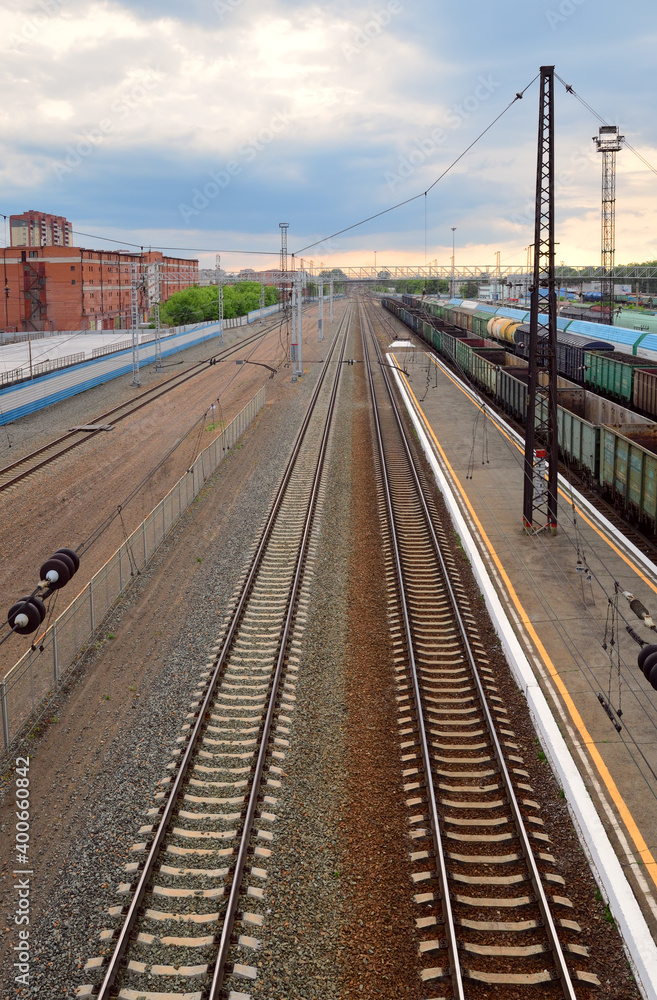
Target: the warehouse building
(69, 288)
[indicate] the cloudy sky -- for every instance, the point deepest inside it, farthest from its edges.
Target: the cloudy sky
(204, 124)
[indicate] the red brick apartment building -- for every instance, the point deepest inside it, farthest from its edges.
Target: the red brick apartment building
(69, 288)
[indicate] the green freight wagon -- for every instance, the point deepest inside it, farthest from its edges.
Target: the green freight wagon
(480, 323)
(612, 372)
(628, 469)
(644, 395)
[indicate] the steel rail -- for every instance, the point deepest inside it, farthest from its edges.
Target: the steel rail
(233, 899)
(557, 951)
(455, 968)
(123, 939)
(155, 393)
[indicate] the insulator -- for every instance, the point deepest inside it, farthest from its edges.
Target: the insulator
(68, 562)
(72, 554)
(56, 573)
(26, 615)
(648, 663)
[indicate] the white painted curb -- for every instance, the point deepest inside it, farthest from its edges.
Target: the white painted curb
(622, 902)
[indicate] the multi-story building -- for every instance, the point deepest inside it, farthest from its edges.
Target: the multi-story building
(70, 288)
(38, 229)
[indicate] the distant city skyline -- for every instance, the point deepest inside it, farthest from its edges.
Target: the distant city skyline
(203, 125)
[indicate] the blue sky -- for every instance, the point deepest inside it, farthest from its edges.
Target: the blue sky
(207, 123)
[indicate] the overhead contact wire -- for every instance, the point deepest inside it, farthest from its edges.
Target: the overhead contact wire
(422, 194)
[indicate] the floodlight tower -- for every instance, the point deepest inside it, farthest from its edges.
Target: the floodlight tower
(608, 142)
(283, 226)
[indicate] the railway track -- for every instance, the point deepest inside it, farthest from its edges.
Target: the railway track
(12, 474)
(195, 895)
(494, 914)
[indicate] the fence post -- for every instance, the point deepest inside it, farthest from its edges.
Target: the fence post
(5, 717)
(92, 620)
(55, 655)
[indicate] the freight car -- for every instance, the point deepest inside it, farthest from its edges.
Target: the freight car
(502, 323)
(613, 373)
(611, 445)
(571, 350)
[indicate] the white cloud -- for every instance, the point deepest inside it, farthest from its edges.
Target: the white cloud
(113, 87)
(56, 110)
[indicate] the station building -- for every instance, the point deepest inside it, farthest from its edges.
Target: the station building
(48, 288)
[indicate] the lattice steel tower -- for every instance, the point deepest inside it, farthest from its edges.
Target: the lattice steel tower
(283, 226)
(608, 142)
(540, 497)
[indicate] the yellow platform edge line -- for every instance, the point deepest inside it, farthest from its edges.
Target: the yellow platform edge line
(630, 824)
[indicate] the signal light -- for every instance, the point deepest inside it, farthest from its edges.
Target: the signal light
(26, 615)
(647, 660)
(58, 570)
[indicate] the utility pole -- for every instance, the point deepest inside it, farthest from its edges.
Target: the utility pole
(262, 300)
(608, 142)
(331, 301)
(540, 503)
(158, 298)
(530, 266)
(134, 320)
(300, 325)
(320, 311)
(294, 338)
(291, 304)
(453, 260)
(220, 298)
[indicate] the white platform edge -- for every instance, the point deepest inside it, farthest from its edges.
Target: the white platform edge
(615, 886)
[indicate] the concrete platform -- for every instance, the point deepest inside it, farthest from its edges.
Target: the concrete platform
(560, 616)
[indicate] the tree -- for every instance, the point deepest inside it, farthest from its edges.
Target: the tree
(416, 286)
(198, 305)
(469, 290)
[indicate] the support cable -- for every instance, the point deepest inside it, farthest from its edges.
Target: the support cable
(423, 194)
(570, 90)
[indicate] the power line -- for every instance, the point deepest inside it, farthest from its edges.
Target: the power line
(603, 121)
(423, 194)
(152, 246)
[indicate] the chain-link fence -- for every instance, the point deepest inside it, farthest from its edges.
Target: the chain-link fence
(42, 669)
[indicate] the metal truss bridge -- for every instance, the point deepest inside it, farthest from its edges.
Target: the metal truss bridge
(472, 272)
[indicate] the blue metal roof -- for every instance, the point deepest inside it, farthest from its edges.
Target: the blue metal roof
(519, 314)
